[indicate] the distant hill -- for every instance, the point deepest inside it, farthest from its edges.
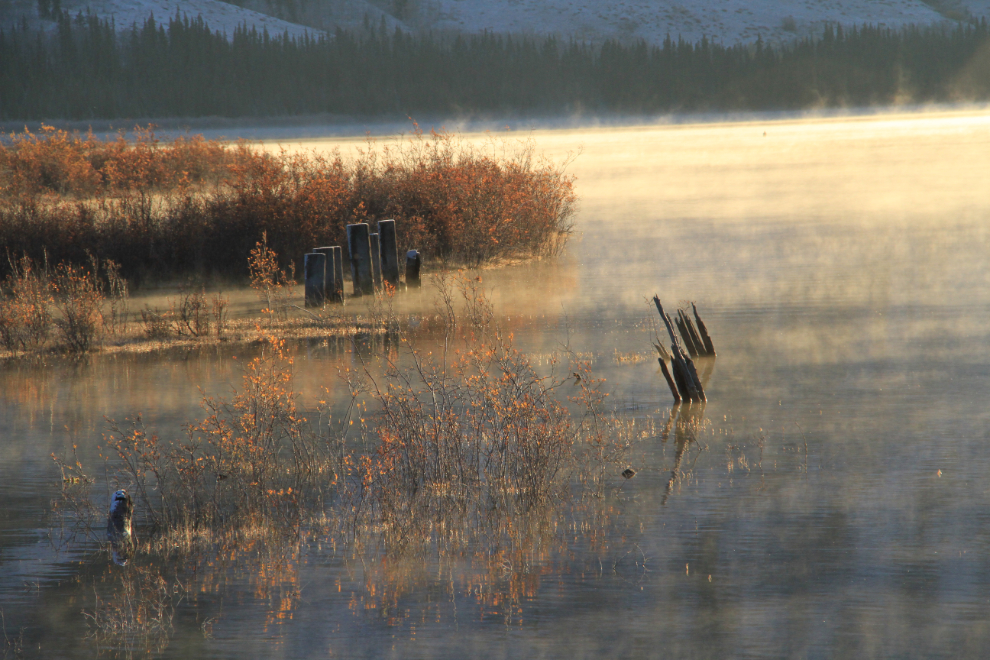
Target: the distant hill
(723, 21)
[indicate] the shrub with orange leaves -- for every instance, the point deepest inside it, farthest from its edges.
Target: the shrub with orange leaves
(477, 425)
(36, 302)
(167, 208)
(252, 461)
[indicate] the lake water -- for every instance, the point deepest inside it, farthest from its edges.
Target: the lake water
(831, 500)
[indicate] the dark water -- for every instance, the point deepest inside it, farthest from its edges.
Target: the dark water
(830, 500)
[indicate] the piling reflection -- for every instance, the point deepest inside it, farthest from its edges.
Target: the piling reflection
(685, 422)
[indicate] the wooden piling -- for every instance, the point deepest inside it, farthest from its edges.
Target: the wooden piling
(413, 263)
(330, 276)
(315, 265)
(376, 261)
(389, 251)
(703, 331)
(338, 267)
(695, 337)
(670, 381)
(359, 250)
(685, 375)
(685, 335)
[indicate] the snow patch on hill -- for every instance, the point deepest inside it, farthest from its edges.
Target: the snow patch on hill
(723, 21)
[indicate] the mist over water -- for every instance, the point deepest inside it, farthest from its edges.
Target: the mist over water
(830, 500)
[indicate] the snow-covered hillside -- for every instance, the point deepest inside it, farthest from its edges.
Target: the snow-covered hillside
(725, 21)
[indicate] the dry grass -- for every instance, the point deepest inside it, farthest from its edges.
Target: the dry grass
(166, 209)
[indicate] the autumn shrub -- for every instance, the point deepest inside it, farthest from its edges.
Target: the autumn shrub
(169, 208)
(252, 460)
(25, 306)
(270, 282)
(473, 426)
(64, 306)
(77, 302)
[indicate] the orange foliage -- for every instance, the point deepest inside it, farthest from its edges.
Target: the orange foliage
(169, 207)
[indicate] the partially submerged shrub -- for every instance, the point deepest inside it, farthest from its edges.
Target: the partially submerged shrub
(252, 461)
(471, 444)
(190, 315)
(480, 428)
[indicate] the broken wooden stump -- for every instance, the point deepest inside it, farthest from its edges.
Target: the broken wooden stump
(670, 381)
(705, 339)
(685, 384)
(413, 263)
(685, 335)
(338, 274)
(332, 281)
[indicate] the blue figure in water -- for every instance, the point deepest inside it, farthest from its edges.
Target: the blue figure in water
(119, 529)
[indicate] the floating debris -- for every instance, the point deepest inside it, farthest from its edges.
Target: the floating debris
(629, 473)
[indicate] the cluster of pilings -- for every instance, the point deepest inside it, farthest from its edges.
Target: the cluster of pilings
(374, 262)
(682, 376)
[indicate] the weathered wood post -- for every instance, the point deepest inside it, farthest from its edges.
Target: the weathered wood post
(705, 338)
(695, 337)
(330, 275)
(338, 277)
(359, 248)
(413, 262)
(685, 375)
(376, 261)
(389, 251)
(670, 380)
(315, 266)
(685, 335)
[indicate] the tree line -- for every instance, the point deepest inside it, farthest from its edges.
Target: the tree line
(87, 69)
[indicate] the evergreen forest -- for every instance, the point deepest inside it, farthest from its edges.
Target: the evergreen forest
(87, 69)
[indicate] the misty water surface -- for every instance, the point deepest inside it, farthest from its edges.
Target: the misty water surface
(832, 499)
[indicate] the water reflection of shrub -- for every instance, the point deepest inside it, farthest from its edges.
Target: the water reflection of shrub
(134, 615)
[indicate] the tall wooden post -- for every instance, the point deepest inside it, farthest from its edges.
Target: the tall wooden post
(359, 249)
(338, 267)
(389, 251)
(315, 265)
(376, 261)
(330, 278)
